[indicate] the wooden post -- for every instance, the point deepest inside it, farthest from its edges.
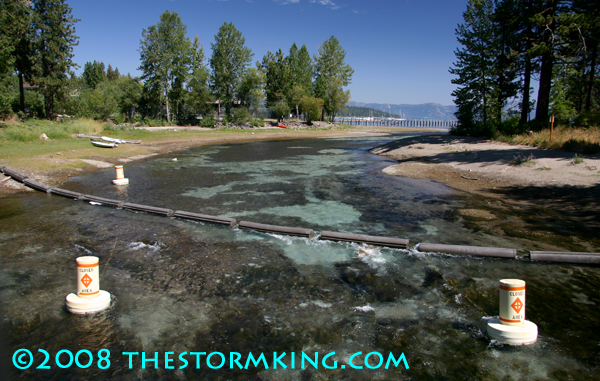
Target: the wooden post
(551, 126)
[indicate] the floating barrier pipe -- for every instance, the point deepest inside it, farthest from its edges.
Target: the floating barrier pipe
(102, 200)
(361, 238)
(308, 233)
(149, 209)
(558, 256)
(511, 327)
(468, 250)
(37, 186)
(66, 193)
(204, 217)
(14, 174)
(89, 297)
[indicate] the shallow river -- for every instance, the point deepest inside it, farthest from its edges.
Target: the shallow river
(180, 286)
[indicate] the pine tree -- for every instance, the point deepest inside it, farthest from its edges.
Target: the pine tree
(229, 62)
(165, 52)
(54, 41)
(278, 78)
(15, 49)
(93, 74)
(474, 67)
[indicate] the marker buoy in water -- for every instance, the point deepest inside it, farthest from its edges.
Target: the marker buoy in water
(120, 180)
(511, 327)
(89, 297)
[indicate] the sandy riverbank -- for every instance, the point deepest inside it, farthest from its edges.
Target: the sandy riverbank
(553, 195)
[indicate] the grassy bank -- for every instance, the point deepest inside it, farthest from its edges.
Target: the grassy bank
(22, 149)
(584, 140)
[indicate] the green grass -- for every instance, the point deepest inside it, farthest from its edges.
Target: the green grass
(577, 160)
(31, 129)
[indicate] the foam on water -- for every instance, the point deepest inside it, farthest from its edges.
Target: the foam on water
(317, 213)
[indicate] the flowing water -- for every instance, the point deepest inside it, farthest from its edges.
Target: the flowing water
(181, 286)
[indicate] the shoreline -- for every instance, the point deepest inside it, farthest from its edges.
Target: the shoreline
(537, 208)
(55, 165)
(549, 201)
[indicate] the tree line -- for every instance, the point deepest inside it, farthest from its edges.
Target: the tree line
(506, 45)
(178, 83)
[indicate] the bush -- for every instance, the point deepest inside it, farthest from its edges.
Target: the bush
(208, 121)
(241, 116)
(150, 122)
(476, 129)
(588, 119)
(312, 107)
(511, 126)
(226, 120)
(258, 122)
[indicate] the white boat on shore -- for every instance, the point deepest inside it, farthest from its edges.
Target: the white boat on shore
(99, 143)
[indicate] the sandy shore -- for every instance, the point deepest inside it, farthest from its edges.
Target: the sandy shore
(553, 195)
(480, 166)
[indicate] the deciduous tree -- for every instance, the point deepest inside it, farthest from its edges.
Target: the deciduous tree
(165, 54)
(229, 62)
(331, 70)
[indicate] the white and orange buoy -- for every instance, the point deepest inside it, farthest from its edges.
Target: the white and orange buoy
(511, 327)
(89, 297)
(120, 180)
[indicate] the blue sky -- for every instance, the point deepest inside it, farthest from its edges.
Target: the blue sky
(400, 49)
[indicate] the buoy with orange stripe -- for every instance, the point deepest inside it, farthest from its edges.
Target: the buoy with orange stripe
(120, 174)
(89, 297)
(511, 327)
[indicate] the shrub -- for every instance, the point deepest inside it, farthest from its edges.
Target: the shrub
(241, 116)
(312, 107)
(577, 160)
(208, 121)
(511, 126)
(521, 159)
(258, 122)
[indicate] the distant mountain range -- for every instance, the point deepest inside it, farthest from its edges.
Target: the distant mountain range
(422, 111)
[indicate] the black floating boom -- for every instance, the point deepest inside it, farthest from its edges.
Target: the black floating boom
(204, 217)
(37, 186)
(102, 200)
(468, 250)
(149, 209)
(569, 257)
(14, 174)
(369, 239)
(300, 232)
(66, 193)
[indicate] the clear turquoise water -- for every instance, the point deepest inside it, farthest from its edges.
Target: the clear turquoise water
(182, 286)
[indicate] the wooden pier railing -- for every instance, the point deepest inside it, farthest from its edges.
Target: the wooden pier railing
(391, 122)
